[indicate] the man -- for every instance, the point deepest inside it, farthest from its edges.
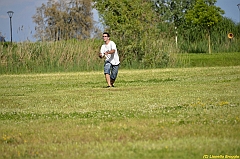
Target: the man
(111, 65)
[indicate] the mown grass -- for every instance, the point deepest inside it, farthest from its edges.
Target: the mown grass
(158, 113)
(209, 60)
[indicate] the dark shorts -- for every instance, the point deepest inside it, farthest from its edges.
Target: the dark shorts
(110, 69)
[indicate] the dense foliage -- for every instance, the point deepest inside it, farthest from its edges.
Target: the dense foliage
(134, 26)
(148, 31)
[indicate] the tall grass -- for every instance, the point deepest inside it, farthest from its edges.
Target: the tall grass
(217, 46)
(50, 56)
(73, 55)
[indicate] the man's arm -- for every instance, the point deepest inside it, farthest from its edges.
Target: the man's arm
(110, 52)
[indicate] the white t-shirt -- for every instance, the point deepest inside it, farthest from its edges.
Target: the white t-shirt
(112, 58)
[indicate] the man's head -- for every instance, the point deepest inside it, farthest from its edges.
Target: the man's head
(106, 37)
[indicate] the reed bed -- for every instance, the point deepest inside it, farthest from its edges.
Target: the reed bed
(74, 56)
(50, 56)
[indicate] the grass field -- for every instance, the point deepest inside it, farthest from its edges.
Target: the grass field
(160, 113)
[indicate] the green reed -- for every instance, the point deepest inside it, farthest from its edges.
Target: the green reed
(50, 56)
(73, 55)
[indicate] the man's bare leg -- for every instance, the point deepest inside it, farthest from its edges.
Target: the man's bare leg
(108, 80)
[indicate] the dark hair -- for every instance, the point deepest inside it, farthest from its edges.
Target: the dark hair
(107, 34)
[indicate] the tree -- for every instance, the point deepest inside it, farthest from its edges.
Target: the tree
(38, 18)
(64, 20)
(205, 15)
(173, 11)
(172, 15)
(131, 21)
